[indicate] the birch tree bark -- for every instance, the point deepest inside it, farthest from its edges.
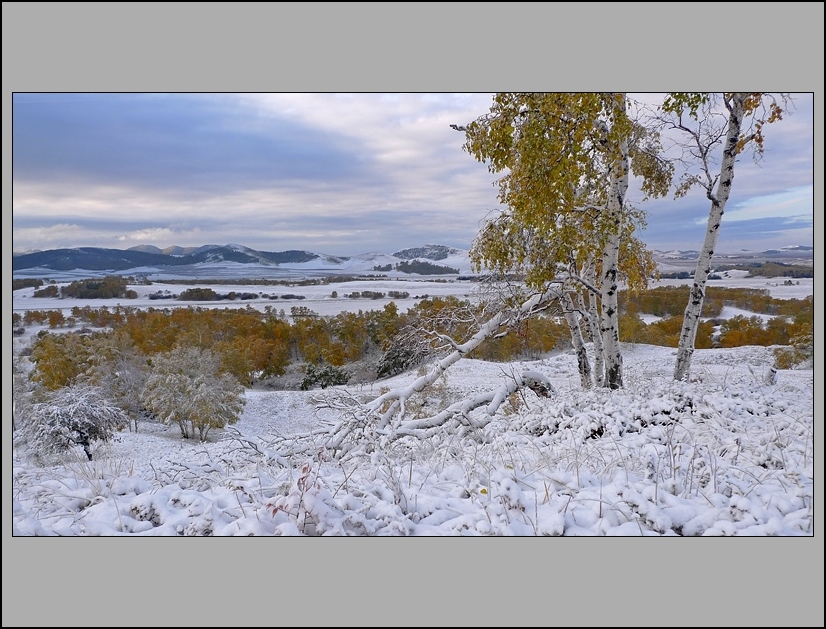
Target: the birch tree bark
(718, 198)
(583, 363)
(609, 311)
(718, 190)
(593, 324)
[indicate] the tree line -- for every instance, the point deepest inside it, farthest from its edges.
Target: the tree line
(256, 344)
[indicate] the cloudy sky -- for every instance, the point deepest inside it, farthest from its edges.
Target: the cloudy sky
(339, 173)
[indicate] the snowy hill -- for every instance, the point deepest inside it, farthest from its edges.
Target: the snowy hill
(218, 260)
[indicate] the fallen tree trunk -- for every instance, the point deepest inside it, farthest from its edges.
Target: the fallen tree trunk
(383, 419)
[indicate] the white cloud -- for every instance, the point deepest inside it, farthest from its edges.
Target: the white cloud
(51, 237)
(796, 204)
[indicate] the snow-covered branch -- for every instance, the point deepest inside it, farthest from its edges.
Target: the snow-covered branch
(393, 402)
(459, 411)
(384, 417)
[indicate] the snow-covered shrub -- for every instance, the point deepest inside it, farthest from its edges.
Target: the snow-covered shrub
(324, 377)
(79, 415)
(798, 355)
(187, 387)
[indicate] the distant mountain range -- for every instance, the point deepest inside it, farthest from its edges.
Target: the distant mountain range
(97, 259)
(150, 260)
(794, 251)
(685, 260)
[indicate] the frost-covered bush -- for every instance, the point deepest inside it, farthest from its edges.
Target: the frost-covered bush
(186, 387)
(79, 415)
(323, 377)
(799, 354)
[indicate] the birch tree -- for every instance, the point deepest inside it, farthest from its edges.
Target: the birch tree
(567, 158)
(737, 126)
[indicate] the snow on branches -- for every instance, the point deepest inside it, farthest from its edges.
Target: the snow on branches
(366, 425)
(78, 415)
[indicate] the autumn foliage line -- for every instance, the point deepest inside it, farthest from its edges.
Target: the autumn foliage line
(254, 345)
(783, 321)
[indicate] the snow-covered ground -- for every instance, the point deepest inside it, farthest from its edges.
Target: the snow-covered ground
(316, 297)
(156, 457)
(319, 297)
(722, 455)
(778, 287)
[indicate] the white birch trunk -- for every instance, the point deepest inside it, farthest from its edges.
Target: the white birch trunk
(583, 363)
(593, 323)
(718, 198)
(609, 318)
(609, 314)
